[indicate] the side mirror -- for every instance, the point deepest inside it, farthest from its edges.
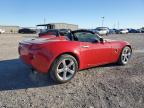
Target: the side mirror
(101, 40)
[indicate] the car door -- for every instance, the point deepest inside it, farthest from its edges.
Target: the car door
(96, 53)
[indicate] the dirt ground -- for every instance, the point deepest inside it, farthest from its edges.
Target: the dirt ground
(108, 86)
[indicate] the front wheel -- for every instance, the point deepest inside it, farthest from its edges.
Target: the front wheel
(64, 68)
(125, 55)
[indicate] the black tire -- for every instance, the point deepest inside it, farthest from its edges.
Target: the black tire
(125, 55)
(57, 76)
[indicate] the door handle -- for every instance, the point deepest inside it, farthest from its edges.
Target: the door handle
(85, 46)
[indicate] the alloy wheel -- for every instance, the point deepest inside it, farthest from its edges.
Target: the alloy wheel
(126, 54)
(65, 69)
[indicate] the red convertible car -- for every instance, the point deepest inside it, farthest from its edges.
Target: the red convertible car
(63, 56)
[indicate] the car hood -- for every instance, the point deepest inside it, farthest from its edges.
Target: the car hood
(117, 41)
(109, 40)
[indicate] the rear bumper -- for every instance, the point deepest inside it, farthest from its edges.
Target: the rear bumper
(35, 60)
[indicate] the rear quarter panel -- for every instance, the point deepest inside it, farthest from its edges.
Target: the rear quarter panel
(52, 50)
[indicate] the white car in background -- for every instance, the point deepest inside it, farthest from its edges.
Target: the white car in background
(102, 30)
(123, 31)
(2, 31)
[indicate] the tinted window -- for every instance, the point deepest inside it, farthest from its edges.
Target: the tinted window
(86, 37)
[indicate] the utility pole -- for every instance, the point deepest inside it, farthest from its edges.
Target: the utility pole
(114, 26)
(118, 24)
(102, 21)
(44, 21)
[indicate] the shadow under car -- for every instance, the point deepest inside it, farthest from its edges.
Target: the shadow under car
(15, 75)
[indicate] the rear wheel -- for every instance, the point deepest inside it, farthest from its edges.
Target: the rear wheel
(125, 56)
(64, 68)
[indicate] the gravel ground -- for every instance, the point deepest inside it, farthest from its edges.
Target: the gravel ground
(108, 86)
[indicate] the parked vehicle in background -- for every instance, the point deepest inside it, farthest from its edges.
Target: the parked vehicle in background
(27, 31)
(2, 31)
(112, 31)
(122, 31)
(142, 30)
(102, 30)
(133, 31)
(139, 30)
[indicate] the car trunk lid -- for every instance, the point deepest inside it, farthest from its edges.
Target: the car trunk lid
(42, 40)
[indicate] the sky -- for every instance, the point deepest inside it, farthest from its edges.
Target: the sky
(85, 13)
